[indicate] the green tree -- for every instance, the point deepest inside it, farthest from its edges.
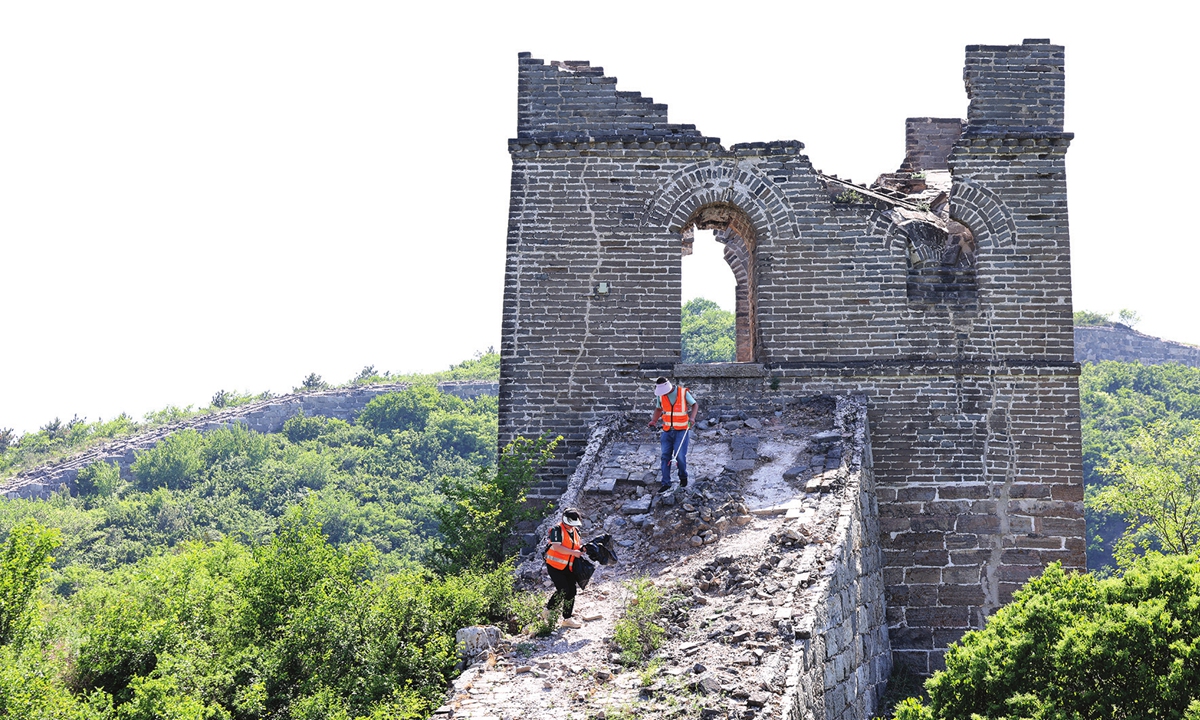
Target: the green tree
(707, 333)
(1087, 318)
(174, 463)
(406, 410)
(1156, 491)
(1074, 646)
(481, 512)
(24, 559)
(1129, 317)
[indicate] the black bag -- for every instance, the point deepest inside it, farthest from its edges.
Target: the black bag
(583, 569)
(601, 550)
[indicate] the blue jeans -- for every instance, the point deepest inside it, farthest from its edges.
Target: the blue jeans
(670, 442)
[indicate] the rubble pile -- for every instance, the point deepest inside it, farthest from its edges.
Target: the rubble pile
(737, 556)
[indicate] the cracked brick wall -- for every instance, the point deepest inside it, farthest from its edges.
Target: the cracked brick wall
(973, 402)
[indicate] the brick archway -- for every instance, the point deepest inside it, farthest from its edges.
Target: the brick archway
(980, 209)
(732, 228)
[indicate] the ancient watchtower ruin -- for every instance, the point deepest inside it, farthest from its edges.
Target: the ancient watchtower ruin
(942, 293)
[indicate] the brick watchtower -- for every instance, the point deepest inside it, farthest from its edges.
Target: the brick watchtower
(968, 366)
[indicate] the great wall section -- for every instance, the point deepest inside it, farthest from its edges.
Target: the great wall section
(896, 451)
(1121, 343)
(266, 416)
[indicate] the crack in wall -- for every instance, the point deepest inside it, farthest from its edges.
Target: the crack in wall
(586, 336)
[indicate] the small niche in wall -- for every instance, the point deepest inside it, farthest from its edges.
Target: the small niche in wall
(941, 260)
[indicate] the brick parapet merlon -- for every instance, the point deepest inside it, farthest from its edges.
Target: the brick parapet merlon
(266, 416)
(1015, 87)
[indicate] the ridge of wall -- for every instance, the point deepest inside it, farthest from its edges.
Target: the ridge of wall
(264, 416)
(1097, 343)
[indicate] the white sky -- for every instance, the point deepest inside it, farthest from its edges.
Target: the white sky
(230, 195)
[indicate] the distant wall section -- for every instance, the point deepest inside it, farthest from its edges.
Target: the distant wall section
(1124, 344)
(265, 416)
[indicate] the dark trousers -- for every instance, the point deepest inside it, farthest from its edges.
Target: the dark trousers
(564, 590)
(674, 442)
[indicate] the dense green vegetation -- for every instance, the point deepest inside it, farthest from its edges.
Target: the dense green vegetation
(1075, 646)
(375, 481)
(58, 439)
(316, 573)
(1119, 402)
(707, 333)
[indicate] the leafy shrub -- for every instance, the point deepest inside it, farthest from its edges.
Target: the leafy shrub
(1073, 645)
(173, 463)
(1088, 318)
(98, 480)
(7, 439)
(406, 410)
(850, 197)
(31, 690)
(312, 383)
(1117, 401)
(225, 399)
(1156, 491)
(169, 414)
(480, 513)
(483, 366)
(237, 447)
(24, 558)
(637, 634)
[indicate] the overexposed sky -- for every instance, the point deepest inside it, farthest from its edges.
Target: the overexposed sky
(231, 195)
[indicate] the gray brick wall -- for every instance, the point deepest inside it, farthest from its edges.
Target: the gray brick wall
(973, 405)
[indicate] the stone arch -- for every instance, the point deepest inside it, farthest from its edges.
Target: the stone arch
(981, 210)
(732, 228)
(937, 251)
(704, 183)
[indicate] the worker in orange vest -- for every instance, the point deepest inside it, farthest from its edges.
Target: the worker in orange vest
(677, 410)
(565, 545)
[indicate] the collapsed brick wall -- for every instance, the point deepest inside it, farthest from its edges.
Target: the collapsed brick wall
(973, 402)
(264, 416)
(1124, 344)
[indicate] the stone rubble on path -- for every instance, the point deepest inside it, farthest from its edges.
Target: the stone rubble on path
(737, 582)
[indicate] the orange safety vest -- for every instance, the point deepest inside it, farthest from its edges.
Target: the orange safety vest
(558, 559)
(675, 418)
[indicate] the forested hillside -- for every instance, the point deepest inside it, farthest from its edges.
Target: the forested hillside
(303, 574)
(1120, 401)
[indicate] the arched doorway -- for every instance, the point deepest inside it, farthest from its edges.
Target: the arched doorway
(732, 228)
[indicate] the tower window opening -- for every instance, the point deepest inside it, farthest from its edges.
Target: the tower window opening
(710, 332)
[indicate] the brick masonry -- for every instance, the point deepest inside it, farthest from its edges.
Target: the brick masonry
(973, 406)
(1096, 343)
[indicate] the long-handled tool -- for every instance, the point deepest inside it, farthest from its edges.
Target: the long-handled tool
(671, 467)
